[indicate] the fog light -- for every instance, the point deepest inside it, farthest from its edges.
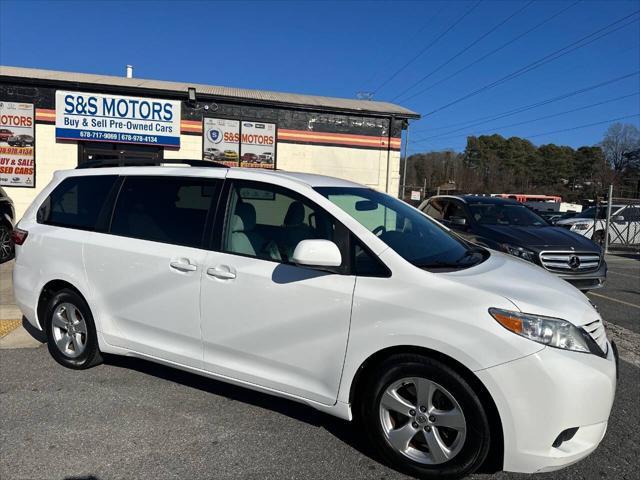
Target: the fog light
(564, 436)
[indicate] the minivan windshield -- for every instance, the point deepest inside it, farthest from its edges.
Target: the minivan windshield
(505, 214)
(410, 233)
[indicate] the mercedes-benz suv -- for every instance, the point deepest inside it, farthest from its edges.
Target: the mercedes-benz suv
(513, 228)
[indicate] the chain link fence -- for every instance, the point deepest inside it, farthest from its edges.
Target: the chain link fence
(613, 222)
(622, 224)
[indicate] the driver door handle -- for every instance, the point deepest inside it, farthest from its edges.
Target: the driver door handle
(221, 273)
(183, 265)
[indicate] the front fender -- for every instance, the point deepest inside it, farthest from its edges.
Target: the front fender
(433, 312)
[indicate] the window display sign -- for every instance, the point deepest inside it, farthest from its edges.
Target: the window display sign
(244, 143)
(221, 141)
(114, 118)
(17, 145)
(258, 145)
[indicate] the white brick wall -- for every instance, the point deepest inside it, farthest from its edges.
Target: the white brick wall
(190, 148)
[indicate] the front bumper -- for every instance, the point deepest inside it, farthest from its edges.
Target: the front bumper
(589, 280)
(546, 393)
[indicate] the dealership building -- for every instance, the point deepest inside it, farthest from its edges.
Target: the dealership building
(51, 120)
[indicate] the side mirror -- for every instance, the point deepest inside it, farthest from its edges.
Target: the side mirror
(317, 253)
(618, 219)
(458, 221)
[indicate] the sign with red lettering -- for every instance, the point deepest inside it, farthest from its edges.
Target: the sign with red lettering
(221, 141)
(258, 145)
(235, 142)
(17, 145)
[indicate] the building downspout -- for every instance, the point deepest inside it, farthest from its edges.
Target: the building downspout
(391, 123)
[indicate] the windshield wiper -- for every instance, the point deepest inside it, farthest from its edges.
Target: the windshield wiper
(459, 263)
(440, 264)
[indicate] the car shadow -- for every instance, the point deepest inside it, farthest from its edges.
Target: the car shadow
(284, 274)
(341, 429)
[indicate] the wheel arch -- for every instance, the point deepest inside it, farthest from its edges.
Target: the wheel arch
(47, 292)
(494, 461)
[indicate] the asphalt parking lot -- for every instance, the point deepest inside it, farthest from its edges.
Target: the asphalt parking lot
(131, 419)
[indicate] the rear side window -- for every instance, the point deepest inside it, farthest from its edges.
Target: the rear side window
(77, 202)
(164, 209)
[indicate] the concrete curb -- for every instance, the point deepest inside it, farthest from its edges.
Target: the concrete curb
(19, 338)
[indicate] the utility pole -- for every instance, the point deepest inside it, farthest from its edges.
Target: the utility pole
(404, 168)
(392, 121)
(606, 228)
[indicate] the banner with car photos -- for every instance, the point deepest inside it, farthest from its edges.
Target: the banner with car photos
(221, 141)
(232, 142)
(17, 145)
(258, 145)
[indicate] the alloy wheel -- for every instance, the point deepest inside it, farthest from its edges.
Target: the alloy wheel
(422, 420)
(69, 330)
(5, 243)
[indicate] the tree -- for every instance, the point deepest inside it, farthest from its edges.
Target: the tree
(619, 140)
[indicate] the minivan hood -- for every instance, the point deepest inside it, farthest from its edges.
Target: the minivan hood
(539, 237)
(530, 288)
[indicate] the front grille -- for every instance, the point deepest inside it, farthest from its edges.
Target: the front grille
(596, 330)
(570, 262)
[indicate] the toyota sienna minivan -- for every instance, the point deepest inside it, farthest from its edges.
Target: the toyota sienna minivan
(446, 355)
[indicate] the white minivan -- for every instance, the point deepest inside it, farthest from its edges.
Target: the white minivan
(448, 356)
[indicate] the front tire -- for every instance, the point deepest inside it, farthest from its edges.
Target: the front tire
(423, 418)
(71, 332)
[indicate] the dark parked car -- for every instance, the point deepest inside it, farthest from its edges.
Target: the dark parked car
(7, 218)
(509, 226)
(20, 141)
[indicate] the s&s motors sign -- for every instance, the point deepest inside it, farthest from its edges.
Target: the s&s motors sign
(115, 118)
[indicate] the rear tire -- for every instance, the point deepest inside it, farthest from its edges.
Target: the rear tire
(405, 425)
(71, 331)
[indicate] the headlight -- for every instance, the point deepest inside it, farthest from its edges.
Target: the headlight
(519, 252)
(580, 226)
(552, 332)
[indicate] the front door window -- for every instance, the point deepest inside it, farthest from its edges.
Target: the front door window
(268, 222)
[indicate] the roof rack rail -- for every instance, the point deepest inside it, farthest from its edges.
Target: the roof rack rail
(147, 162)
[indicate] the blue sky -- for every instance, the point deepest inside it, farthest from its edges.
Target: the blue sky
(340, 48)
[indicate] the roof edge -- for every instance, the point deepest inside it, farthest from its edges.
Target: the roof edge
(313, 102)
